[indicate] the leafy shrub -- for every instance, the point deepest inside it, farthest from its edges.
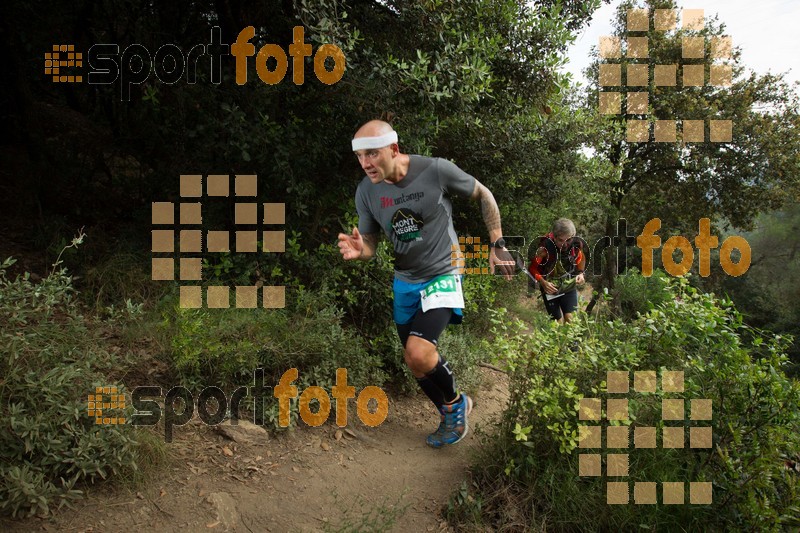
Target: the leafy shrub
(120, 276)
(224, 347)
(50, 361)
(529, 471)
(635, 294)
(481, 293)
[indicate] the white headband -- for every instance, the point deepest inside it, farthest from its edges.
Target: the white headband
(367, 143)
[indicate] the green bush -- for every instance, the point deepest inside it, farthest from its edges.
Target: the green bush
(481, 292)
(117, 277)
(51, 360)
(223, 347)
(529, 471)
(635, 294)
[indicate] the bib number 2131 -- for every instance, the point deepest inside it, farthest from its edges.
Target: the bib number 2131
(444, 291)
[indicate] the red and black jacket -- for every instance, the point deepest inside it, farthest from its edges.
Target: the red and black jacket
(571, 259)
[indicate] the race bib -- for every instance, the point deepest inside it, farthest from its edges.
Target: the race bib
(444, 291)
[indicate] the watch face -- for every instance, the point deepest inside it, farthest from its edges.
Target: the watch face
(500, 243)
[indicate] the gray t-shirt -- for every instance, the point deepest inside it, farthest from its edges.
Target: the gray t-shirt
(416, 215)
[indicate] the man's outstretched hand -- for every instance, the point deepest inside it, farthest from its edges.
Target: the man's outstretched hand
(502, 259)
(351, 246)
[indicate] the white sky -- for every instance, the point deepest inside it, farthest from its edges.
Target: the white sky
(768, 32)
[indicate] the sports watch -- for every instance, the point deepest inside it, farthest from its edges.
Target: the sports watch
(499, 243)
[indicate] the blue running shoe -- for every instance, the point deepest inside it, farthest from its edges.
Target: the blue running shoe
(453, 426)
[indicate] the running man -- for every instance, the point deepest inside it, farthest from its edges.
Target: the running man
(408, 198)
(558, 278)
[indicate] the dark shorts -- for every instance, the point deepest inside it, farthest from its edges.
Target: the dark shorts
(428, 325)
(557, 307)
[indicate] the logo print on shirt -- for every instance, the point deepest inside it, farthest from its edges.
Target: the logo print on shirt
(403, 198)
(407, 225)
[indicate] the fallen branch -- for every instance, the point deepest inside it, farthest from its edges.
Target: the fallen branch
(492, 367)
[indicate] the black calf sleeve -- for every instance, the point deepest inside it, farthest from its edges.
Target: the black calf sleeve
(431, 391)
(442, 377)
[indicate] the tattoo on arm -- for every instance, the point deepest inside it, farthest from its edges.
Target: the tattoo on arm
(370, 245)
(489, 209)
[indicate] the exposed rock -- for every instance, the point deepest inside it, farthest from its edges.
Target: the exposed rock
(225, 508)
(243, 432)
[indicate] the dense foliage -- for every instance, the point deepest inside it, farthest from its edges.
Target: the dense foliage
(529, 476)
(52, 359)
(768, 295)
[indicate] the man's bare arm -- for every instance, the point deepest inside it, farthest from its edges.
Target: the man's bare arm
(491, 216)
(370, 245)
(489, 210)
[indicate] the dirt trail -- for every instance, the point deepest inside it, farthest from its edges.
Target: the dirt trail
(304, 480)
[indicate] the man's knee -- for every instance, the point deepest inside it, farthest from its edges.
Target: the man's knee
(420, 355)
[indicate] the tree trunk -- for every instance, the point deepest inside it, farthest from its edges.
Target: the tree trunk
(609, 269)
(610, 263)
